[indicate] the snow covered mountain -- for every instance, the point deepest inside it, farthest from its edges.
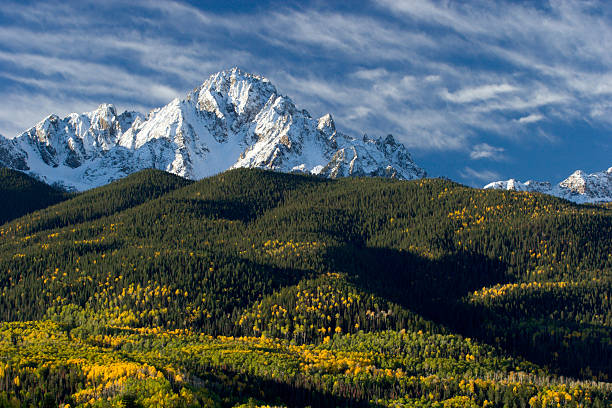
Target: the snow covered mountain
(234, 119)
(579, 187)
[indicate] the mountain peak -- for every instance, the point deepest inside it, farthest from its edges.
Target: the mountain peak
(106, 109)
(233, 119)
(223, 80)
(236, 70)
(231, 91)
(326, 122)
(389, 140)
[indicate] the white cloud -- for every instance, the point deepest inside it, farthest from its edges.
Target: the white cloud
(559, 53)
(357, 37)
(481, 66)
(424, 10)
(371, 74)
(88, 77)
(479, 93)
(534, 117)
(486, 151)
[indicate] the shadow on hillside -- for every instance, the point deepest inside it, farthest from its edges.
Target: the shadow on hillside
(300, 391)
(435, 288)
(232, 210)
(427, 286)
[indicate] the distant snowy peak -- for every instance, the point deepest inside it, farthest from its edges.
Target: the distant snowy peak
(515, 185)
(234, 119)
(578, 187)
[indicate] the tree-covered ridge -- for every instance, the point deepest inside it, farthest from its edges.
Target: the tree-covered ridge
(22, 194)
(316, 309)
(102, 201)
(307, 262)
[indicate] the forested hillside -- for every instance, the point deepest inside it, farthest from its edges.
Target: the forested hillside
(260, 288)
(22, 194)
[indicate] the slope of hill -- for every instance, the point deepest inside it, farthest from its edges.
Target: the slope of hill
(234, 119)
(22, 194)
(255, 288)
(104, 201)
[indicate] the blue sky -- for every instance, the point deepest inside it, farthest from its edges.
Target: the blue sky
(477, 90)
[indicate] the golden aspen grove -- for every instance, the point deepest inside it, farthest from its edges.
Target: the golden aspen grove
(254, 288)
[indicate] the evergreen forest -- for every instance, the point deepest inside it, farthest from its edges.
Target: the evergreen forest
(255, 288)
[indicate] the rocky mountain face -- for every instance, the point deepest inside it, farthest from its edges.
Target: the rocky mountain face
(579, 187)
(234, 119)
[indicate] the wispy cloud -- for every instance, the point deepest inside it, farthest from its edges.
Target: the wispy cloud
(371, 74)
(556, 54)
(79, 75)
(484, 176)
(533, 118)
(486, 151)
(355, 36)
(439, 75)
(478, 93)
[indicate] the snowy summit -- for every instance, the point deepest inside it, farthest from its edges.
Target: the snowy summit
(234, 119)
(578, 187)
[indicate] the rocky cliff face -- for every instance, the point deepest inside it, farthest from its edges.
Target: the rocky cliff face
(234, 119)
(578, 187)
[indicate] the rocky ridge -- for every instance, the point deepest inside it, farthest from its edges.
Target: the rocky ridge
(234, 119)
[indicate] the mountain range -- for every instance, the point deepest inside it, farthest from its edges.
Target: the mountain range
(234, 119)
(579, 187)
